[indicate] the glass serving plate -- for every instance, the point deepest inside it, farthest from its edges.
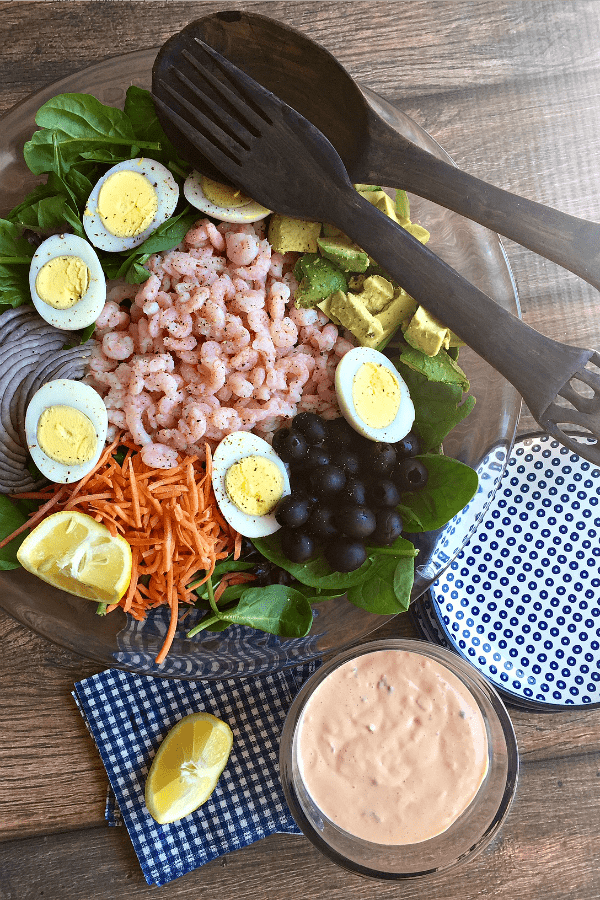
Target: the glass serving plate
(483, 441)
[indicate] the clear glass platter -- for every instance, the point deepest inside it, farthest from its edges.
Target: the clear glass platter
(483, 441)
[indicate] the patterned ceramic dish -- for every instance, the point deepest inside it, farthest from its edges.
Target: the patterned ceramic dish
(521, 600)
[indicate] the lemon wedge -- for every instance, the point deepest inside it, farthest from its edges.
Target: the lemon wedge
(73, 552)
(187, 766)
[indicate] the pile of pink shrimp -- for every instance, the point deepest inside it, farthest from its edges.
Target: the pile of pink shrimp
(211, 344)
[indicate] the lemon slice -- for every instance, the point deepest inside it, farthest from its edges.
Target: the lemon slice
(73, 552)
(187, 766)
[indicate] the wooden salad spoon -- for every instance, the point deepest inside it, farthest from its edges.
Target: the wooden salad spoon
(312, 81)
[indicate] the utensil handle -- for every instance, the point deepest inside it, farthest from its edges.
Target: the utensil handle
(526, 358)
(571, 242)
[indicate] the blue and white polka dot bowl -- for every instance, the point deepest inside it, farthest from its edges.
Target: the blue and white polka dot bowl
(521, 602)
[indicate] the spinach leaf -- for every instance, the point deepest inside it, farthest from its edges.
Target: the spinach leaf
(438, 407)
(387, 589)
(15, 259)
(86, 128)
(275, 609)
(316, 573)
(141, 112)
(450, 486)
(440, 368)
(10, 519)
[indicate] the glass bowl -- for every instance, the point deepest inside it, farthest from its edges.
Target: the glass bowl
(482, 441)
(465, 837)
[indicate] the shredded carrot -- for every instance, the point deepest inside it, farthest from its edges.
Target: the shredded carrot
(231, 578)
(170, 518)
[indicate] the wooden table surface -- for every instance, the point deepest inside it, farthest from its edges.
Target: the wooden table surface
(512, 91)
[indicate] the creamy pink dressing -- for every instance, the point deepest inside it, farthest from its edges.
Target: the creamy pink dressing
(392, 747)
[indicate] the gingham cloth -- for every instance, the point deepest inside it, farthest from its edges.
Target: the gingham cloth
(129, 715)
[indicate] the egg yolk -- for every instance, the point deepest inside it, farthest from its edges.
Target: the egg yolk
(222, 194)
(254, 485)
(376, 395)
(66, 435)
(127, 203)
(62, 281)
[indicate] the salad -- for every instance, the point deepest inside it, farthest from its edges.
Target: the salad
(253, 446)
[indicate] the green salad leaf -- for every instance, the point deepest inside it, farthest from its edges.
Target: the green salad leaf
(450, 486)
(277, 609)
(16, 254)
(438, 407)
(11, 518)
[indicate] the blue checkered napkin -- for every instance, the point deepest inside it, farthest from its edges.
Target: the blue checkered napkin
(129, 715)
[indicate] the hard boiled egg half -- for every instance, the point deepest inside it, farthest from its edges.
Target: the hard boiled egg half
(65, 426)
(128, 203)
(249, 479)
(222, 202)
(67, 284)
(372, 396)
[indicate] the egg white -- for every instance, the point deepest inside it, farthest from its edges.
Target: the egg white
(231, 450)
(193, 193)
(65, 392)
(86, 310)
(167, 193)
(346, 369)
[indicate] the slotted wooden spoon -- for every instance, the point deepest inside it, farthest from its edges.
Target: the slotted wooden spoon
(312, 81)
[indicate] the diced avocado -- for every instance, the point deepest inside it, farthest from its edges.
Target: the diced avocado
(376, 293)
(355, 282)
(400, 310)
(318, 278)
(351, 313)
(325, 306)
(417, 231)
(344, 253)
(425, 333)
(366, 187)
(382, 201)
(287, 234)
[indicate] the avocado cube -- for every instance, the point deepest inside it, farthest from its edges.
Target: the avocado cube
(318, 278)
(425, 333)
(287, 234)
(352, 314)
(376, 293)
(344, 253)
(382, 201)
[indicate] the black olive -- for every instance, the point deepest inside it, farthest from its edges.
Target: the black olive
(409, 445)
(279, 438)
(339, 433)
(296, 545)
(410, 475)
(384, 493)
(345, 555)
(347, 460)
(327, 479)
(355, 521)
(316, 456)
(293, 510)
(292, 447)
(388, 528)
(311, 426)
(381, 459)
(321, 523)
(355, 491)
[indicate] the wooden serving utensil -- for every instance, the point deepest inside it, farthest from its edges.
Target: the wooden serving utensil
(312, 81)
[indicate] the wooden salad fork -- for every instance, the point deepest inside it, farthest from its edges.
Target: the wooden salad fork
(282, 161)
